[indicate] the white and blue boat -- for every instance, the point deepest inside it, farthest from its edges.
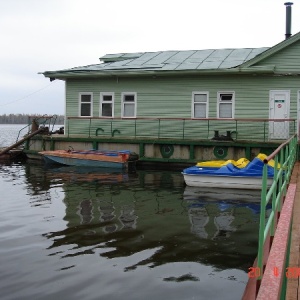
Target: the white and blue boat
(229, 176)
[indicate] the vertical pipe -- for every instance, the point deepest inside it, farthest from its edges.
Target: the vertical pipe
(288, 21)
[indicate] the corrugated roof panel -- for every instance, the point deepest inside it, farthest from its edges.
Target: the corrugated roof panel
(119, 56)
(162, 57)
(147, 56)
(120, 63)
(188, 66)
(180, 57)
(239, 54)
(226, 64)
(174, 60)
(132, 55)
(172, 66)
(208, 65)
(256, 51)
(114, 55)
(199, 56)
(219, 55)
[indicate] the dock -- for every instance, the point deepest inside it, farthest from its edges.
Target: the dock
(293, 281)
(11, 152)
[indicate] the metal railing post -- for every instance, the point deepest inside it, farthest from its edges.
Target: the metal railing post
(90, 127)
(158, 128)
(262, 221)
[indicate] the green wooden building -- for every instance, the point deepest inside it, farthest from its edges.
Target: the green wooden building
(184, 105)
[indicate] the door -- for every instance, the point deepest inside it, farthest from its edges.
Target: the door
(279, 109)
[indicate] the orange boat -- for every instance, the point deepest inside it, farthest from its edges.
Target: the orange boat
(91, 158)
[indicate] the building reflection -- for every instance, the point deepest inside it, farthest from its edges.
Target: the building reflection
(199, 218)
(223, 223)
(85, 211)
(129, 213)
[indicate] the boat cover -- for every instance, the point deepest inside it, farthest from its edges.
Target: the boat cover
(253, 169)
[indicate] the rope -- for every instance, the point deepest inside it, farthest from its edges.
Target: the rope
(26, 96)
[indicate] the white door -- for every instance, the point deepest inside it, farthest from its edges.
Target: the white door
(279, 109)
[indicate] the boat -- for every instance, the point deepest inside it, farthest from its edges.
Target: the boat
(241, 163)
(229, 176)
(91, 158)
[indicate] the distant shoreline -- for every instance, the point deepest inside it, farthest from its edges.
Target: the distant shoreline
(26, 118)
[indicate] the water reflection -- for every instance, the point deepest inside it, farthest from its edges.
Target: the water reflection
(129, 213)
(227, 219)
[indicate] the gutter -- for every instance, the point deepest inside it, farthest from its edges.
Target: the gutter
(109, 73)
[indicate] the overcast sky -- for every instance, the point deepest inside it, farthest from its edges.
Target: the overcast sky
(45, 35)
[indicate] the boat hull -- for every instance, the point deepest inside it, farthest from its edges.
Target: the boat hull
(231, 182)
(116, 160)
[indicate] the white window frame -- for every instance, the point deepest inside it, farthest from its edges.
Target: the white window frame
(232, 102)
(124, 103)
(193, 104)
(80, 102)
(102, 94)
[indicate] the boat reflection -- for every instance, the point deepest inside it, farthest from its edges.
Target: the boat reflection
(219, 194)
(89, 174)
(221, 222)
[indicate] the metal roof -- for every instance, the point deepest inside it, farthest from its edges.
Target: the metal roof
(217, 59)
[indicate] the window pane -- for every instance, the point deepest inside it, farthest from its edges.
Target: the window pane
(225, 97)
(107, 98)
(128, 110)
(129, 98)
(200, 98)
(86, 98)
(107, 110)
(200, 110)
(85, 109)
(225, 110)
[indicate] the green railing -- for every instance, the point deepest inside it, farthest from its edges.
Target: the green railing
(284, 159)
(160, 128)
(44, 120)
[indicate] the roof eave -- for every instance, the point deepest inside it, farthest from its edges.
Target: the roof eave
(129, 73)
(272, 50)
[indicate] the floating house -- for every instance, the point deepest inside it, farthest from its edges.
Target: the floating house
(183, 106)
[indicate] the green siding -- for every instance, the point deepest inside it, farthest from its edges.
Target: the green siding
(170, 97)
(286, 61)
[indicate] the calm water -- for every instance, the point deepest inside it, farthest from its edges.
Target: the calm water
(68, 233)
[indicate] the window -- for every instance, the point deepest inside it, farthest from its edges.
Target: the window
(107, 105)
(200, 105)
(128, 105)
(85, 104)
(226, 105)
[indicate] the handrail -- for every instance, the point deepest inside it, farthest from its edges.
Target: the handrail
(284, 159)
(184, 128)
(45, 119)
(277, 150)
(192, 119)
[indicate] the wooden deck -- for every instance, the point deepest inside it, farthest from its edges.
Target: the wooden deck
(293, 274)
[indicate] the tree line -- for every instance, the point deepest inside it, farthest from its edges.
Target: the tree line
(26, 118)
